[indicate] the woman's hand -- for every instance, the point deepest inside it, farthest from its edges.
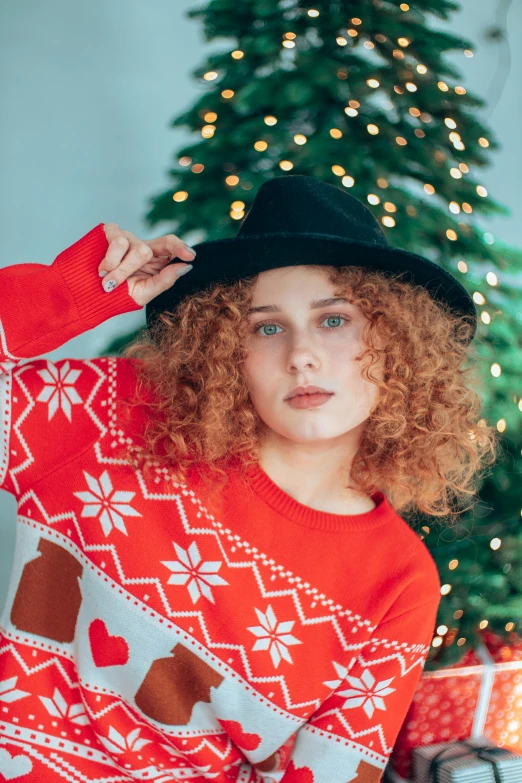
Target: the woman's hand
(144, 264)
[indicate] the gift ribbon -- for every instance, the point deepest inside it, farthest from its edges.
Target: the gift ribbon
(485, 752)
(479, 720)
(486, 687)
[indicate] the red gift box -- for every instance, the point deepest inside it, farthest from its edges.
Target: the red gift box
(481, 694)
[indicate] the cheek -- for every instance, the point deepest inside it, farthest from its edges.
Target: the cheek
(261, 361)
(257, 372)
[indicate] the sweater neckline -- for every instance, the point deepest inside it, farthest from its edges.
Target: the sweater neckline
(307, 516)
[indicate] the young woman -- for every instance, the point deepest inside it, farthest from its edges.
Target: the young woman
(212, 578)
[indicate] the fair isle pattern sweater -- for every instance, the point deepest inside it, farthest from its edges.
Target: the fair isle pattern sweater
(145, 638)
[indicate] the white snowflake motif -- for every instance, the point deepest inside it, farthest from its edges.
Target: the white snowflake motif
(364, 693)
(59, 390)
(273, 636)
(59, 708)
(100, 498)
(201, 575)
(117, 743)
(9, 692)
(342, 671)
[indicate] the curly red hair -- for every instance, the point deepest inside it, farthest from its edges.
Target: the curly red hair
(425, 445)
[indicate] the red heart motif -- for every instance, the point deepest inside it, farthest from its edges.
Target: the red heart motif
(238, 735)
(299, 774)
(107, 650)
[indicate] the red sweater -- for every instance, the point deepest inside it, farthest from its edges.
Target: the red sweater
(145, 638)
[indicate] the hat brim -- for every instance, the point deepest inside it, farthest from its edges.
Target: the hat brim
(229, 260)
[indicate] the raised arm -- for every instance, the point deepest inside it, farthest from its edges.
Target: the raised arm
(44, 306)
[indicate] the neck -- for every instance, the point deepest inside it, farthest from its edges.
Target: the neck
(315, 474)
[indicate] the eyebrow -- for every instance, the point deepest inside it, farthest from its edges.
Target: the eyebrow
(315, 304)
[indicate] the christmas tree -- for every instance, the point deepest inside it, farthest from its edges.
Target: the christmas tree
(362, 95)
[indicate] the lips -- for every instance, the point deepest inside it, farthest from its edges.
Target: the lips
(304, 390)
(305, 401)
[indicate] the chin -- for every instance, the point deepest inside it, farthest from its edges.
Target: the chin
(308, 434)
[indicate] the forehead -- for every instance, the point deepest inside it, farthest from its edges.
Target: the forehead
(294, 287)
(288, 277)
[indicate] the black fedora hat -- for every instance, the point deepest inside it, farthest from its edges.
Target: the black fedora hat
(295, 220)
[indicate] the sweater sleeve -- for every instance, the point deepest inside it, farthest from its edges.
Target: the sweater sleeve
(42, 418)
(352, 734)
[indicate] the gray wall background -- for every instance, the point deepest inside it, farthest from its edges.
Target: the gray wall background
(87, 91)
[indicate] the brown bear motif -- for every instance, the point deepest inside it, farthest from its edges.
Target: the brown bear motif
(173, 685)
(48, 598)
(367, 773)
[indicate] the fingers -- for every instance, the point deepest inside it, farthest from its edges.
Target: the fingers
(126, 254)
(170, 245)
(118, 246)
(119, 243)
(119, 270)
(151, 287)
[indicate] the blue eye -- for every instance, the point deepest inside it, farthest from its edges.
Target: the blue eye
(264, 324)
(329, 317)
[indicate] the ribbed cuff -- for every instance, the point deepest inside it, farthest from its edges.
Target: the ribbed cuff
(78, 266)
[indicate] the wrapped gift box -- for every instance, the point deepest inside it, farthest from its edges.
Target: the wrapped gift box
(481, 696)
(476, 760)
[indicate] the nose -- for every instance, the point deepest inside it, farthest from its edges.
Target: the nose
(302, 358)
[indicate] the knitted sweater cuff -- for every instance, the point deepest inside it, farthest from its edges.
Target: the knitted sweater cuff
(78, 266)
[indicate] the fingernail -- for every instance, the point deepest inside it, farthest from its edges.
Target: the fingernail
(191, 249)
(185, 269)
(103, 273)
(108, 285)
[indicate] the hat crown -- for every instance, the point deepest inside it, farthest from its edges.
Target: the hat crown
(297, 219)
(299, 204)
